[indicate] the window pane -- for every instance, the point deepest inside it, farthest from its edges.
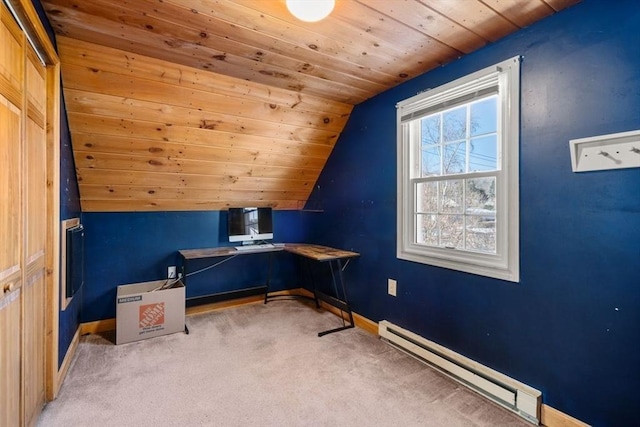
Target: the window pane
(427, 197)
(451, 196)
(483, 153)
(454, 158)
(431, 161)
(454, 125)
(430, 127)
(427, 229)
(481, 211)
(481, 196)
(451, 232)
(484, 116)
(481, 234)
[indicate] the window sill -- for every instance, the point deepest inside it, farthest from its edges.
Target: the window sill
(478, 264)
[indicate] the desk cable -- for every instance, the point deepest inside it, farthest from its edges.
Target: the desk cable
(169, 283)
(211, 266)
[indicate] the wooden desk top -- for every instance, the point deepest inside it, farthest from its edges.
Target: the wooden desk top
(222, 251)
(316, 252)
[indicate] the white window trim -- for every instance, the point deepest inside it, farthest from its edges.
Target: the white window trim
(505, 263)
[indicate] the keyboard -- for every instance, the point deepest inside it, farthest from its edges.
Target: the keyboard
(255, 247)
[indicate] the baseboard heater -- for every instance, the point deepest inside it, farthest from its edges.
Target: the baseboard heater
(512, 394)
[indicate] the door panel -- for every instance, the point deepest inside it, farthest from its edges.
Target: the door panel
(35, 217)
(10, 182)
(10, 357)
(33, 347)
(36, 181)
(11, 57)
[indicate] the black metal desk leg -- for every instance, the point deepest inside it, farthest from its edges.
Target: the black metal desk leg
(344, 290)
(266, 293)
(342, 305)
(335, 289)
(313, 283)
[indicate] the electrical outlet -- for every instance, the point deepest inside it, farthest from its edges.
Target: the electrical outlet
(392, 286)
(171, 272)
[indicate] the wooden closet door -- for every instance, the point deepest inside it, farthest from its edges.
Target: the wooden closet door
(35, 217)
(11, 274)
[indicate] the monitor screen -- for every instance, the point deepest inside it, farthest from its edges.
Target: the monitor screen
(250, 224)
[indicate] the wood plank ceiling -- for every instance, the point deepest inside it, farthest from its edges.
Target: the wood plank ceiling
(206, 104)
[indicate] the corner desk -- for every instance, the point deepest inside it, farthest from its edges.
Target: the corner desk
(336, 259)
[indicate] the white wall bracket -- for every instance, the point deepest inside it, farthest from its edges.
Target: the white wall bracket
(613, 151)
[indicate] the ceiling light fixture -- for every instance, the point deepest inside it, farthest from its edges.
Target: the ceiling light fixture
(310, 10)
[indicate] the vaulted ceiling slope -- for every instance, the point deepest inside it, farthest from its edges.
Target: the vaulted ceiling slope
(206, 104)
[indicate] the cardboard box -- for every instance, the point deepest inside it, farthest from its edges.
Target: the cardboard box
(144, 310)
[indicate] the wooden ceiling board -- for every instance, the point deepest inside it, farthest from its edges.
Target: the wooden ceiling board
(178, 152)
(122, 192)
(117, 61)
(414, 50)
(133, 129)
(211, 108)
(159, 152)
(330, 39)
(475, 16)
(132, 144)
(202, 41)
(78, 25)
(364, 37)
(559, 5)
(521, 12)
(169, 180)
(152, 164)
(155, 204)
(207, 104)
(222, 37)
(104, 125)
(437, 27)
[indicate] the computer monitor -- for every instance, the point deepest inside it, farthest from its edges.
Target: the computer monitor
(250, 225)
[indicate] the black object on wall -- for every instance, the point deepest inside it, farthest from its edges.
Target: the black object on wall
(75, 259)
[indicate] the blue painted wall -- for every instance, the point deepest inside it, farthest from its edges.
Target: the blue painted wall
(571, 327)
(124, 248)
(69, 319)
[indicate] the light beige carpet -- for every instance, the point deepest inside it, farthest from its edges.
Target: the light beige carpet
(262, 365)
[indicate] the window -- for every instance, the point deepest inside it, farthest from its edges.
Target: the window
(458, 174)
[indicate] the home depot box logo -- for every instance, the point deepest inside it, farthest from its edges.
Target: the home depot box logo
(145, 310)
(151, 315)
